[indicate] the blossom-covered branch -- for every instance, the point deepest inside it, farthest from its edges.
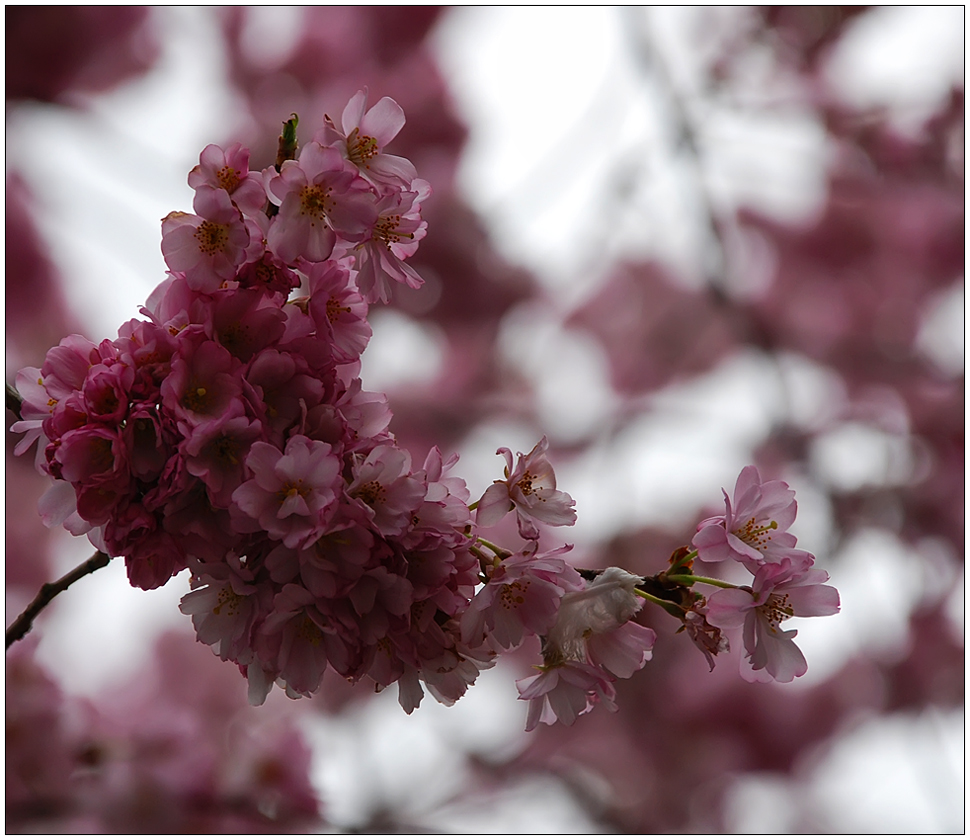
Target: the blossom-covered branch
(228, 432)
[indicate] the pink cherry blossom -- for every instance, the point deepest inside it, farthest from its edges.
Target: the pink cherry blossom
(284, 387)
(779, 592)
(291, 492)
(338, 309)
(449, 675)
(268, 272)
(530, 490)
(318, 196)
(106, 390)
(94, 459)
(207, 248)
(522, 596)
(37, 406)
(394, 238)
(443, 517)
(224, 603)
(228, 169)
(365, 134)
(215, 452)
(66, 366)
(622, 651)
(202, 384)
(754, 529)
(145, 436)
(243, 321)
(591, 643)
(152, 555)
(384, 487)
(565, 691)
(298, 640)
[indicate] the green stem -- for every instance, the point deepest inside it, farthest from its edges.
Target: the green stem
(690, 580)
(653, 598)
(667, 606)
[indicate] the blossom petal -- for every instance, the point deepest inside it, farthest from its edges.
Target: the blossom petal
(493, 505)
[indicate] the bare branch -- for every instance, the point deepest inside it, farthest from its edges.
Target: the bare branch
(49, 591)
(14, 401)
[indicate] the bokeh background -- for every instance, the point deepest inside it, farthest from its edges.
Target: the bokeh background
(676, 241)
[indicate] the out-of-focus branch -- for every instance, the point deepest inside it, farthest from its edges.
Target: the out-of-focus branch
(49, 591)
(652, 65)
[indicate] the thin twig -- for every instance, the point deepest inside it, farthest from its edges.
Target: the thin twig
(49, 591)
(14, 401)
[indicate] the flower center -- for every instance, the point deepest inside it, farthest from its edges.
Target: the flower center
(525, 484)
(315, 201)
(386, 231)
(309, 632)
(361, 148)
(102, 456)
(370, 493)
(235, 338)
(776, 609)
(334, 309)
(229, 601)
(228, 178)
(757, 536)
(212, 237)
(292, 488)
(513, 594)
(196, 399)
(226, 449)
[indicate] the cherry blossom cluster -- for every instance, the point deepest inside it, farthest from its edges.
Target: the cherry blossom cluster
(754, 532)
(227, 432)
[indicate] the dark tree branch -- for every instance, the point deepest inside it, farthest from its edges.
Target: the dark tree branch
(49, 591)
(14, 401)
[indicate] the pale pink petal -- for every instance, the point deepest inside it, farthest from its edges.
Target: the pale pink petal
(494, 505)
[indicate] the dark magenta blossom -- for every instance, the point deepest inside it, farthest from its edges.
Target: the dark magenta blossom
(291, 492)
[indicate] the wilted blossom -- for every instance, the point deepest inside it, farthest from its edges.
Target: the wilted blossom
(705, 636)
(591, 643)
